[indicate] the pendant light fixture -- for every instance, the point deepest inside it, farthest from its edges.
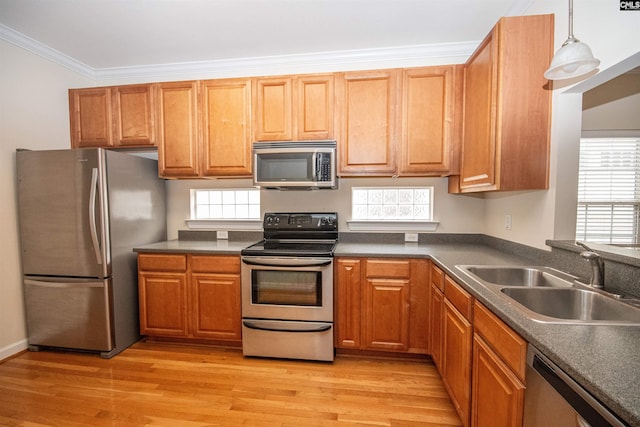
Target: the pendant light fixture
(573, 59)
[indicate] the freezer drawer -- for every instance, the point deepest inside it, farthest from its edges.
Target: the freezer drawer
(69, 313)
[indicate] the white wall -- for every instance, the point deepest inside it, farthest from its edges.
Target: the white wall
(455, 214)
(34, 115)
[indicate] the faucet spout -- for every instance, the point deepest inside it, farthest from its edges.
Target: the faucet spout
(597, 266)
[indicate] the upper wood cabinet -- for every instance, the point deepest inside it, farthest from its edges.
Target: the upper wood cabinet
(367, 104)
(90, 117)
(120, 116)
(294, 107)
(431, 120)
(133, 115)
(507, 104)
(178, 127)
(226, 127)
(204, 128)
(400, 122)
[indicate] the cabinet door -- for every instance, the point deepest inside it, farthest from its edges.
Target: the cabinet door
(498, 395)
(386, 314)
(226, 119)
(314, 107)
(347, 303)
(273, 109)
(163, 304)
(216, 312)
(178, 129)
(419, 307)
(436, 325)
(367, 107)
(479, 141)
(133, 115)
(428, 114)
(90, 117)
(457, 360)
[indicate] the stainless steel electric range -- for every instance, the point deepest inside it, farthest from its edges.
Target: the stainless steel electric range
(287, 288)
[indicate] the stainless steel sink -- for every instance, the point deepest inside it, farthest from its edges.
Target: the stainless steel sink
(573, 305)
(518, 276)
(552, 296)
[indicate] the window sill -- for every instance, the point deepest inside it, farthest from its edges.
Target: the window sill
(224, 224)
(373, 225)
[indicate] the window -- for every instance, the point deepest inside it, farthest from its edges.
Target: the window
(227, 204)
(392, 203)
(609, 191)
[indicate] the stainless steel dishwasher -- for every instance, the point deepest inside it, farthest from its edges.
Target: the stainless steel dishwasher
(553, 399)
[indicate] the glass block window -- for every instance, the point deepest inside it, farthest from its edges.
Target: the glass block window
(609, 191)
(392, 203)
(243, 203)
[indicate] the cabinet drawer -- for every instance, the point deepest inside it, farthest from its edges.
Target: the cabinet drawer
(162, 262)
(458, 297)
(437, 277)
(388, 268)
(215, 264)
(504, 341)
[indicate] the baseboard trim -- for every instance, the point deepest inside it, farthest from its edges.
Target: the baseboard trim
(13, 349)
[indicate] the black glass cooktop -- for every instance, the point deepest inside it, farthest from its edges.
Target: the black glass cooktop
(289, 248)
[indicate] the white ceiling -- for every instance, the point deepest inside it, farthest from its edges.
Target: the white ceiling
(105, 34)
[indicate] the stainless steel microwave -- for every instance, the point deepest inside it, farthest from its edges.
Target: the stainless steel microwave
(290, 165)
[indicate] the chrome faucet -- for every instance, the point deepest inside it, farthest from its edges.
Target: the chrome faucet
(597, 266)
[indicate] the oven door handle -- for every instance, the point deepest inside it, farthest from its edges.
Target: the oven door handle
(314, 328)
(286, 262)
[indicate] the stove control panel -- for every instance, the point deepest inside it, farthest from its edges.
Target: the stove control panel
(324, 221)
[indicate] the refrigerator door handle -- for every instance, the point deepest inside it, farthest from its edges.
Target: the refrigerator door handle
(92, 215)
(47, 284)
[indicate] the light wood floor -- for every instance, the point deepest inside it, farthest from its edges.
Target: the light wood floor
(156, 384)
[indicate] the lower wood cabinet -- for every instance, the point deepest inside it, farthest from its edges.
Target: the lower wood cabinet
(436, 316)
(382, 304)
(456, 350)
(190, 296)
(499, 357)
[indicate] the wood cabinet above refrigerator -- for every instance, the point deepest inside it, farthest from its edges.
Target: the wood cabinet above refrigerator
(119, 117)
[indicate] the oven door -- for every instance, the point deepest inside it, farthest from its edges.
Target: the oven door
(287, 288)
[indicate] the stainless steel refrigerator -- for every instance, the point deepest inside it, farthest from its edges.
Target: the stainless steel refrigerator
(81, 212)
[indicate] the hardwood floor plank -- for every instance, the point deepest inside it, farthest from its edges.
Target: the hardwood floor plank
(160, 384)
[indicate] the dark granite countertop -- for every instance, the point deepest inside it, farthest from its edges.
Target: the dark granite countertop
(196, 246)
(605, 360)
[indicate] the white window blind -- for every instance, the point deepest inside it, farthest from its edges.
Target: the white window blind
(609, 191)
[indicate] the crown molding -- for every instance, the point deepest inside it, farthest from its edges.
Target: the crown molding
(402, 56)
(18, 39)
(297, 63)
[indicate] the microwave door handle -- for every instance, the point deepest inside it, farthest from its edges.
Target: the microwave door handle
(315, 167)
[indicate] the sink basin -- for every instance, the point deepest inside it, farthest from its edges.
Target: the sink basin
(518, 276)
(573, 305)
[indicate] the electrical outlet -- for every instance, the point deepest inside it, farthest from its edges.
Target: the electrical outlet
(222, 234)
(507, 222)
(410, 237)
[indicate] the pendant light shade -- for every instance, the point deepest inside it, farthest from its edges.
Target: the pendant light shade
(573, 59)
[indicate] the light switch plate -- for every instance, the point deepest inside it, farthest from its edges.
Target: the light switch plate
(222, 234)
(410, 237)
